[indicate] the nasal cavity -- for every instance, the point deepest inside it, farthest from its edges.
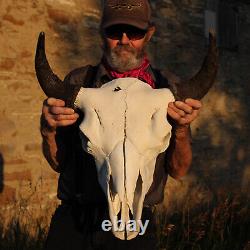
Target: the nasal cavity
(119, 215)
(112, 188)
(117, 89)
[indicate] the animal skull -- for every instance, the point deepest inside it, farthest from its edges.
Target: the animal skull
(125, 128)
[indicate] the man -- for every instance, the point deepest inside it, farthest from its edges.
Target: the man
(126, 30)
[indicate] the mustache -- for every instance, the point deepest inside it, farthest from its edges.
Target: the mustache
(120, 48)
(122, 63)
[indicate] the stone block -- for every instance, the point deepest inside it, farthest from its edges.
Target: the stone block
(8, 196)
(18, 176)
(33, 147)
(7, 149)
(7, 63)
(7, 126)
(13, 19)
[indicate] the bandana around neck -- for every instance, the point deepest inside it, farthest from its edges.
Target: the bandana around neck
(140, 72)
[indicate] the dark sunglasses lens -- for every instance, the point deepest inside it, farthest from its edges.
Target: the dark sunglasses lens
(113, 32)
(116, 32)
(135, 34)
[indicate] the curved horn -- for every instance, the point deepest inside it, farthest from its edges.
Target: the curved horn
(49, 82)
(198, 86)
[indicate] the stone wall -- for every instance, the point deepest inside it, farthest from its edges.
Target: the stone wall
(25, 176)
(220, 135)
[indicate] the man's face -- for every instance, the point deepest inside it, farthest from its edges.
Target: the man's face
(125, 46)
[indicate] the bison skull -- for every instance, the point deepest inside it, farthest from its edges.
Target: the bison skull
(125, 128)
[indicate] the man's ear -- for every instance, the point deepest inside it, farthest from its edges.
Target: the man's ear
(150, 33)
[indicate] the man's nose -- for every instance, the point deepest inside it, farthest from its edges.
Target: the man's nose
(124, 39)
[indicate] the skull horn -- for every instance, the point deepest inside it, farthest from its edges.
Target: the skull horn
(49, 82)
(198, 86)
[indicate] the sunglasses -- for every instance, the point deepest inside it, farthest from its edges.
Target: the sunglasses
(116, 32)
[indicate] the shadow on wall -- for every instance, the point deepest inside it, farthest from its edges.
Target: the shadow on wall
(81, 43)
(221, 150)
(221, 160)
(1, 173)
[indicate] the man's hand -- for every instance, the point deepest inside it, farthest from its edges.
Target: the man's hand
(55, 114)
(183, 113)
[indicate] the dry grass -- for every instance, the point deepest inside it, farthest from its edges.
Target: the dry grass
(23, 227)
(222, 225)
(18, 237)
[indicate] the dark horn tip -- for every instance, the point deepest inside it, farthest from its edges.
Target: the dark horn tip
(41, 40)
(41, 34)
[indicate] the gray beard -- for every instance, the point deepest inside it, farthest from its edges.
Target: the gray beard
(124, 58)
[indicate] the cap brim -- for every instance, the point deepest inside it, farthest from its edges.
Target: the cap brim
(136, 23)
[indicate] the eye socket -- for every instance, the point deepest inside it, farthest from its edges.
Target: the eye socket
(116, 32)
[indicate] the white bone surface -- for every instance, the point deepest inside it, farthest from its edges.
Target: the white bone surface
(125, 128)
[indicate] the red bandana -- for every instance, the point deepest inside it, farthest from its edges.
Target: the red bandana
(140, 72)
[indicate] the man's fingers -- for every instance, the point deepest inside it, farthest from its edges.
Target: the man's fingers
(177, 118)
(55, 102)
(195, 104)
(192, 117)
(56, 114)
(177, 110)
(66, 117)
(65, 123)
(57, 121)
(173, 114)
(184, 113)
(45, 109)
(183, 106)
(51, 122)
(61, 110)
